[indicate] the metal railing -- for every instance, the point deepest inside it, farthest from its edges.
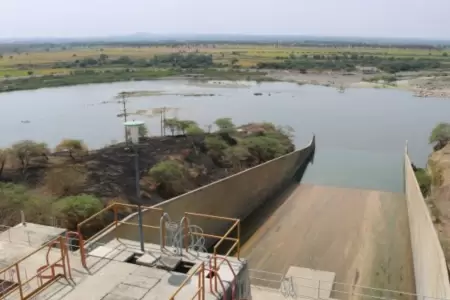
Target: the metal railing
(115, 207)
(214, 265)
(200, 292)
(286, 285)
(235, 226)
(23, 283)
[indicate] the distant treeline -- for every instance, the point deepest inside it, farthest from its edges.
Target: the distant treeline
(350, 62)
(185, 61)
(22, 47)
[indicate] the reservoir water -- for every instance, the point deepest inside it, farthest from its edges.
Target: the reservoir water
(360, 134)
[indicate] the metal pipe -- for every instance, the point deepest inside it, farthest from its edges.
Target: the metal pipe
(138, 195)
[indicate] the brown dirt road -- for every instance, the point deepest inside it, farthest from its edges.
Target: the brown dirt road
(361, 235)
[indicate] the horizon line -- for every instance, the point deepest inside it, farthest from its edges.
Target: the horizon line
(42, 37)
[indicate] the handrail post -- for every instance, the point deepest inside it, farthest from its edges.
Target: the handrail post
(239, 239)
(115, 214)
(19, 281)
(186, 232)
(318, 288)
(63, 255)
(215, 271)
(203, 282)
(199, 283)
(210, 276)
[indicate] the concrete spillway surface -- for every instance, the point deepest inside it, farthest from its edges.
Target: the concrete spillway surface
(361, 235)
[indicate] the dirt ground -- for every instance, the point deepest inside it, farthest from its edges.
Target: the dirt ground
(361, 235)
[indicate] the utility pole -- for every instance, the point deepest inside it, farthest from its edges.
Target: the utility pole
(163, 121)
(124, 112)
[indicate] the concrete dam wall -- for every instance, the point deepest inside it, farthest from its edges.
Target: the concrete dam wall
(430, 268)
(235, 197)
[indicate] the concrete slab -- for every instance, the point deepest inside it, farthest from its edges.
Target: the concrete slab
(141, 281)
(34, 235)
(147, 260)
(125, 290)
(149, 272)
(117, 297)
(310, 283)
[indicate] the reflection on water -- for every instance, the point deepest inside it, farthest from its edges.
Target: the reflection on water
(375, 123)
(356, 169)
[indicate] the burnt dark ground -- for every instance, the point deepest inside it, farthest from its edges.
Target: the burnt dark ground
(111, 172)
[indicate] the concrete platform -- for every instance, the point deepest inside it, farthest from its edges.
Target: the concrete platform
(18, 241)
(112, 276)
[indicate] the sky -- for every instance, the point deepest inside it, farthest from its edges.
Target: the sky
(358, 18)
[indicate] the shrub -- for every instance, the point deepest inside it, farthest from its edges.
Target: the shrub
(170, 177)
(194, 129)
(75, 209)
(14, 198)
(72, 146)
(215, 143)
(225, 125)
(264, 148)
(65, 180)
(25, 150)
(424, 180)
(440, 136)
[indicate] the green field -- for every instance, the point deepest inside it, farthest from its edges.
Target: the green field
(68, 66)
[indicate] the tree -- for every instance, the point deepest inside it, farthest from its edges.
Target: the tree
(75, 209)
(103, 57)
(445, 54)
(225, 125)
(72, 146)
(172, 124)
(143, 131)
(25, 150)
(4, 153)
(440, 136)
(185, 124)
(194, 129)
(30, 73)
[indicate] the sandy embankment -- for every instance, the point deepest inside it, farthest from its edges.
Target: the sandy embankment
(431, 86)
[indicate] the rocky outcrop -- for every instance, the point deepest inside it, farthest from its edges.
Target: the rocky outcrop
(439, 199)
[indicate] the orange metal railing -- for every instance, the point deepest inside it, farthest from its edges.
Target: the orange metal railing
(62, 262)
(115, 207)
(226, 237)
(200, 292)
(213, 265)
(215, 261)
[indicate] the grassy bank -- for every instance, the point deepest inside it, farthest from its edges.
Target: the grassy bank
(107, 76)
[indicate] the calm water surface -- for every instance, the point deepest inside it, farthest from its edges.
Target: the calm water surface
(360, 134)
